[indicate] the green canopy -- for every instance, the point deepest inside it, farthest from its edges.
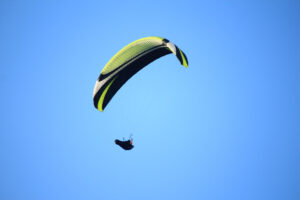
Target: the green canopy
(127, 62)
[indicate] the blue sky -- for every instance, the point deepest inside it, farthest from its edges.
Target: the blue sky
(227, 127)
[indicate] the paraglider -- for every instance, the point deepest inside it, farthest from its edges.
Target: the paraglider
(126, 145)
(127, 62)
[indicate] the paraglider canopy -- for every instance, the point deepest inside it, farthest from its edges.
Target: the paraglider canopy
(126, 145)
(127, 62)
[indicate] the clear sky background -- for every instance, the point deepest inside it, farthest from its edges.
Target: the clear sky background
(227, 127)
